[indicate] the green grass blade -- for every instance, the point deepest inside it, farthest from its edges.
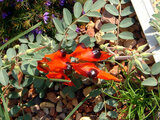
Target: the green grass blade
(6, 113)
(20, 35)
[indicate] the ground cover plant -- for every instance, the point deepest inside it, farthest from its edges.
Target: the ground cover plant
(84, 48)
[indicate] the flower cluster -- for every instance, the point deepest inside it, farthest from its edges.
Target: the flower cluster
(58, 65)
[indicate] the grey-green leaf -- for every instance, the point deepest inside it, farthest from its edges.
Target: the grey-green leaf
(112, 102)
(14, 110)
(159, 80)
(11, 53)
(151, 81)
(67, 16)
(114, 1)
(4, 79)
(84, 19)
(73, 27)
(127, 11)
(112, 9)
(59, 37)
(144, 68)
(109, 36)
(71, 35)
(77, 9)
(124, 1)
(58, 25)
(108, 27)
(112, 114)
(0, 61)
(127, 22)
(155, 69)
(93, 14)
(126, 35)
(98, 107)
(31, 37)
(97, 5)
(87, 6)
(23, 40)
(103, 116)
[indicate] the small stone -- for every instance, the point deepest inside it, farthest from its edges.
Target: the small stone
(64, 101)
(78, 116)
(98, 24)
(62, 116)
(52, 111)
(99, 39)
(98, 99)
(35, 108)
(69, 106)
(34, 118)
(40, 114)
(85, 118)
(62, 95)
(87, 90)
(59, 106)
(46, 110)
(46, 105)
(56, 87)
(115, 70)
(90, 32)
(129, 43)
(141, 42)
(52, 97)
(75, 102)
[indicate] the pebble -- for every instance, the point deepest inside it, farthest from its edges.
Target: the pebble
(86, 91)
(52, 111)
(59, 106)
(69, 106)
(85, 118)
(40, 114)
(75, 102)
(98, 24)
(129, 43)
(35, 108)
(62, 95)
(46, 105)
(52, 97)
(56, 87)
(98, 99)
(46, 110)
(78, 116)
(62, 116)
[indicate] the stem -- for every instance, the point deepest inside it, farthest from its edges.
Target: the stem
(119, 19)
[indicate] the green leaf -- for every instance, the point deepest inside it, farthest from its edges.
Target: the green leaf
(27, 81)
(84, 19)
(103, 116)
(11, 53)
(0, 61)
(155, 69)
(112, 102)
(67, 16)
(93, 14)
(124, 1)
(39, 38)
(151, 81)
(141, 48)
(144, 68)
(38, 83)
(4, 79)
(85, 39)
(109, 36)
(42, 94)
(159, 80)
(126, 35)
(127, 22)
(59, 37)
(116, 2)
(71, 35)
(110, 91)
(127, 11)
(77, 9)
(108, 27)
(97, 5)
(112, 9)
(23, 40)
(112, 114)
(87, 6)
(31, 37)
(98, 107)
(22, 48)
(14, 110)
(49, 84)
(58, 25)
(95, 92)
(73, 27)
(13, 95)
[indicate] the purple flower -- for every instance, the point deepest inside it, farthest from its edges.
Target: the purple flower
(83, 12)
(4, 15)
(77, 29)
(53, 15)
(1, 0)
(37, 31)
(48, 3)
(45, 17)
(62, 2)
(19, 0)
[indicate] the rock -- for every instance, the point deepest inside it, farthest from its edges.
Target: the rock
(115, 70)
(98, 24)
(46, 110)
(59, 106)
(141, 42)
(40, 114)
(99, 39)
(46, 105)
(87, 90)
(69, 106)
(85, 118)
(90, 32)
(56, 87)
(64, 101)
(35, 108)
(62, 116)
(52, 97)
(52, 111)
(129, 43)
(78, 116)
(75, 102)
(62, 95)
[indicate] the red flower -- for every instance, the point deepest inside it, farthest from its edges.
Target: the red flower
(42, 65)
(55, 75)
(90, 70)
(89, 54)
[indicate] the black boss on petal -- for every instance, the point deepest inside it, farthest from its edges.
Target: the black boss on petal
(68, 69)
(82, 45)
(92, 73)
(63, 52)
(96, 53)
